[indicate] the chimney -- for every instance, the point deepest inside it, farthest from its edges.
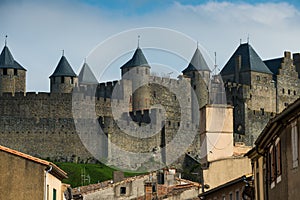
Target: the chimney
(287, 54)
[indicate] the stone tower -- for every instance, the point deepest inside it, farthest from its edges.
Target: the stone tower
(137, 70)
(12, 74)
(250, 89)
(199, 74)
(63, 79)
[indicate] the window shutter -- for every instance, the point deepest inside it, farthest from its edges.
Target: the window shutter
(294, 142)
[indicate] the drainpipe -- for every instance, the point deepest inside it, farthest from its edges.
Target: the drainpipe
(45, 191)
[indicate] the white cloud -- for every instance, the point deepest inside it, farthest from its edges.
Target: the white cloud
(38, 31)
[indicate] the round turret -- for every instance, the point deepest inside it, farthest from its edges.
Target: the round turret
(12, 74)
(199, 73)
(63, 79)
(137, 70)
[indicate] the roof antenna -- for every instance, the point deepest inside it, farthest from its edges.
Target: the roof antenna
(248, 39)
(5, 40)
(138, 41)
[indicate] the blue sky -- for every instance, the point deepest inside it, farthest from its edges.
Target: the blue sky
(38, 30)
(140, 7)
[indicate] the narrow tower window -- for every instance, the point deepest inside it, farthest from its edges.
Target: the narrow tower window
(15, 72)
(5, 71)
(62, 79)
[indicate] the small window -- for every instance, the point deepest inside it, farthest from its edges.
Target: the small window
(230, 196)
(169, 123)
(5, 71)
(122, 190)
(72, 80)
(178, 124)
(62, 79)
(282, 90)
(154, 94)
(237, 195)
(146, 71)
(15, 72)
(295, 92)
(194, 87)
(137, 70)
(153, 188)
(54, 194)
(262, 111)
(258, 78)
(289, 92)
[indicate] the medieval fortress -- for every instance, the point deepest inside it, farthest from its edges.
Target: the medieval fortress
(80, 119)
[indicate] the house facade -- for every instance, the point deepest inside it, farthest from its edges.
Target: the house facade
(26, 177)
(275, 158)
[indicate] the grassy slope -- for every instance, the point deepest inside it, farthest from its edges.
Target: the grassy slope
(97, 173)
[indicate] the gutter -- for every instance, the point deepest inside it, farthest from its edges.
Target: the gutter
(45, 185)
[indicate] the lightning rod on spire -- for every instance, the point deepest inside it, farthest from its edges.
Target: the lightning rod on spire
(139, 40)
(63, 52)
(5, 40)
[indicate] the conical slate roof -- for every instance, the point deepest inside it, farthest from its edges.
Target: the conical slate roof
(8, 61)
(63, 69)
(138, 59)
(197, 63)
(250, 61)
(86, 76)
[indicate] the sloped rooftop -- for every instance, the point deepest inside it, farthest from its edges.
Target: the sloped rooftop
(250, 61)
(86, 76)
(8, 61)
(138, 59)
(63, 69)
(197, 63)
(56, 171)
